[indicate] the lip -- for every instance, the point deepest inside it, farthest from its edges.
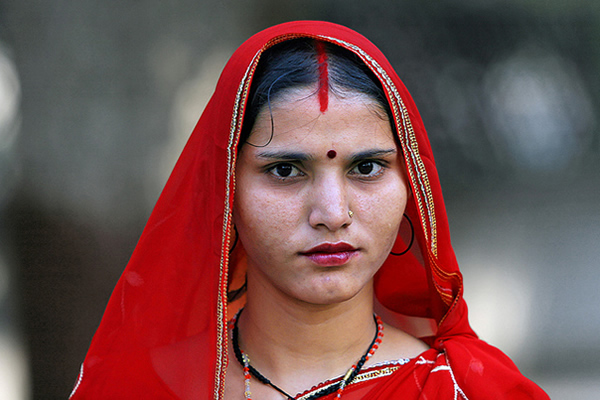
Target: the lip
(331, 254)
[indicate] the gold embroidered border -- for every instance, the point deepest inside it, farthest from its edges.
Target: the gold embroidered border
(235, 126)
(362, 377)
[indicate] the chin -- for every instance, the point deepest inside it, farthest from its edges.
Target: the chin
(326, 296)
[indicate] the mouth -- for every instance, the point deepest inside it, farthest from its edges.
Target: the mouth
(331, 254)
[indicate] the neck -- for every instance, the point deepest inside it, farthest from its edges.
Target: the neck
(297, 345)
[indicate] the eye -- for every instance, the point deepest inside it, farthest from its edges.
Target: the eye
(369, 168)
(285, 170)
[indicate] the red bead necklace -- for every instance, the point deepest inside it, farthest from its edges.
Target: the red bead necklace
(354, 370)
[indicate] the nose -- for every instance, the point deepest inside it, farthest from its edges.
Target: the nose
(330, 204)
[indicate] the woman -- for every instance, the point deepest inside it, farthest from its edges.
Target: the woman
(306, 198)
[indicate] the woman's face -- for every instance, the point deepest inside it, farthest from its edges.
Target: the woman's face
(294, 195)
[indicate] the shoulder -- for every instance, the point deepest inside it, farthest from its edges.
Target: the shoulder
(397, 344)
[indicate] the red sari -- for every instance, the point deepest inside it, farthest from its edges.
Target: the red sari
(164, 333)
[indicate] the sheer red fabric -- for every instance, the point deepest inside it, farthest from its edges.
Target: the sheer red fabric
(164, 333)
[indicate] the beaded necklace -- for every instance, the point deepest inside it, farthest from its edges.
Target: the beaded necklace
(354, 370)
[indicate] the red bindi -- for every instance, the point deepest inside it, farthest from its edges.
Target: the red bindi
(331, 154)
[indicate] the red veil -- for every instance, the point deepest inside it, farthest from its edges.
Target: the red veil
(164, 333)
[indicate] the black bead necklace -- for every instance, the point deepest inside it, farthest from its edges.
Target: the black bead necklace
(339, 388)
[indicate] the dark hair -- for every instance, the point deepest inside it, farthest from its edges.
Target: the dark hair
(294, 64)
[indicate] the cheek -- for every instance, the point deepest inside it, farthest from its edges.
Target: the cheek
(383, 212)
(269, 218)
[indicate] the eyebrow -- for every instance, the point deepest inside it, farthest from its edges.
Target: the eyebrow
(372, 154)
(284, 155)
(297, 156)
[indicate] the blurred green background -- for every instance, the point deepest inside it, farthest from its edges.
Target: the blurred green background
(98, 97)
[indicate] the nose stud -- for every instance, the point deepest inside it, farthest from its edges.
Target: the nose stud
(350, 213)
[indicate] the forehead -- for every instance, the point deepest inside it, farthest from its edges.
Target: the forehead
(296, 119)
